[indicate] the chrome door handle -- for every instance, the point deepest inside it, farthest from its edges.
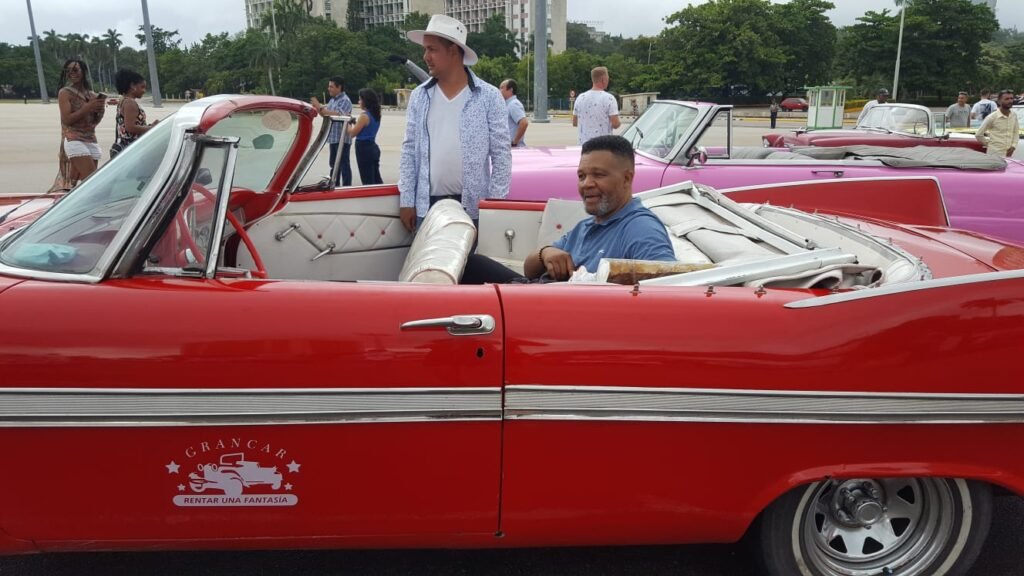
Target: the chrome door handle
(463, 325)
(834, 173)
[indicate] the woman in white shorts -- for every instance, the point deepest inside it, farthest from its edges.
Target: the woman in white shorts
(81, 110)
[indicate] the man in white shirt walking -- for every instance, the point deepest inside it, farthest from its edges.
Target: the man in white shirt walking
(982, 108)
(881, 98)
(1001, 130)
(596, 112)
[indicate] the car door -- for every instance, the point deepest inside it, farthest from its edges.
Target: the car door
(190, 409)
(187, 403)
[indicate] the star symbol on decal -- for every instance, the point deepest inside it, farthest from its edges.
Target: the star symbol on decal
(181, 487)
(293, 466)
(288, 487)
(172, 468)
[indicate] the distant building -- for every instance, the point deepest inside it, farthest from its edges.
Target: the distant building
(337, 10)
(595, 34)
(472, 13)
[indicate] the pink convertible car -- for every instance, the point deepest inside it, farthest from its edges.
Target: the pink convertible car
(679, 141)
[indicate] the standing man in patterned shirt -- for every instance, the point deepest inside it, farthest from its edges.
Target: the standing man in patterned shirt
(456, 132)
(596, 112)
(338, 105)
(517, 121)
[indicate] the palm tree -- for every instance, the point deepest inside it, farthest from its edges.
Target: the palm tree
(52, 40)
(902, 5)
(113, 39)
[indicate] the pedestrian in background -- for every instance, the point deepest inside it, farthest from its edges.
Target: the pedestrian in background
(958, 115)
(982, 108)
(131, 118)
(596, 112)
(773, 112)
(81, 110)
(364, 130)
(880, 98)
(517, 121)
(456, 142)
(338, 105)
(1000, 131)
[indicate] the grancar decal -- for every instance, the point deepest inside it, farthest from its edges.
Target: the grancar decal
(232, 479)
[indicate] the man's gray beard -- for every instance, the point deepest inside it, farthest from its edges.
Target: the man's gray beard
(602, 209)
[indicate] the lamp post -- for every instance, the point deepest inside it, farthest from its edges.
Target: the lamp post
(157, 100)
(39, 59)
(540, 61)
(902, 5)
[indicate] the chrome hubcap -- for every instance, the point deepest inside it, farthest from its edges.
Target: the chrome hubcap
(862, 527)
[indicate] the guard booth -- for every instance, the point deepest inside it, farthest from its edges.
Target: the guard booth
(825, 105)
(635, 104)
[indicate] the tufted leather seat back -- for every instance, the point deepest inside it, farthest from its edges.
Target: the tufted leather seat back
(441, 247)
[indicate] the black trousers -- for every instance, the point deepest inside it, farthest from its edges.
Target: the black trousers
(775, 116)
(368, 160)
(483, 270)
(345, 174)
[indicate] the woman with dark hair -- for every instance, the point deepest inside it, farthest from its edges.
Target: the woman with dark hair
(131, 118)
(81, 110)
(364, 131)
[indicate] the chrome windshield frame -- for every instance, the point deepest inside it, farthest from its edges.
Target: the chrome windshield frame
(185, 119)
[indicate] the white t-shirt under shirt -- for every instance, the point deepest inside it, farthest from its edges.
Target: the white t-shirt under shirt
(593, 111)
(443, 122)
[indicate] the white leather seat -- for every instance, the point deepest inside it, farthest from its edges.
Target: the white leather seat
(441, 247)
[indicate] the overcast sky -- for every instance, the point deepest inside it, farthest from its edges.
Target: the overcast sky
(194, 18)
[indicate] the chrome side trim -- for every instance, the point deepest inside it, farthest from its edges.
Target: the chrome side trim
(111, 407)
(932, 284)
(757, 406)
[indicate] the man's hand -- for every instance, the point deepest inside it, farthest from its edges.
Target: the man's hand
(408, 218)
(96, 104)
(557, 263)
(1009, 152)
(314, 102)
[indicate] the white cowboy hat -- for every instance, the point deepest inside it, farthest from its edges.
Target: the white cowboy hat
(448, 28)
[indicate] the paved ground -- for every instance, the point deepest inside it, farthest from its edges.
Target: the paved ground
(28, 164)
(31, 134)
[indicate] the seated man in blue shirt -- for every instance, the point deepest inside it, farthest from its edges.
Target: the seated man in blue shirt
(619, 226)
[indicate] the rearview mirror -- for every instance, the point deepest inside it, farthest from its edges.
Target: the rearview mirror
(698, 156)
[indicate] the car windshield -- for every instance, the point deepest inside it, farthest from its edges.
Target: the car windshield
(895, 119)
(264, 139)
(73, 235)
(658, 130)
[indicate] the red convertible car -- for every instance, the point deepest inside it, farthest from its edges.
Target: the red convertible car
(894, 125)
(840, 389)
(794, 104)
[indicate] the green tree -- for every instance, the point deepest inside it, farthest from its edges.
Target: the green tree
(113, 40)
(163, 40)
(810, 43)
(942, 46)
(494, 40)
(722, 48)
(416, 21)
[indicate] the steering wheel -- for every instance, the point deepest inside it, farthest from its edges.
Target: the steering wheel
(185, 234)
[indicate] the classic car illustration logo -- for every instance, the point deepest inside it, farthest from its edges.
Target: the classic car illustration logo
(234, 478)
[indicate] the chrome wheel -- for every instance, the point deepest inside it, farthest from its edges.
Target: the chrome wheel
(861, 527)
